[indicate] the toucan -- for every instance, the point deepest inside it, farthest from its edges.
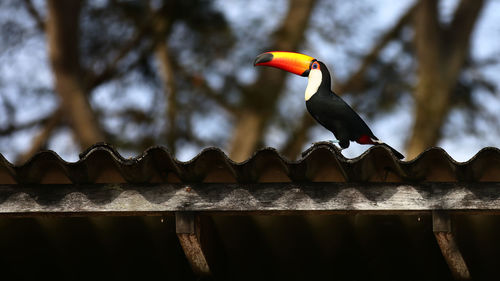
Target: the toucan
(326, 107)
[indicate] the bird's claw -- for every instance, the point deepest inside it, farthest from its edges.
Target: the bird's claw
(334, 143)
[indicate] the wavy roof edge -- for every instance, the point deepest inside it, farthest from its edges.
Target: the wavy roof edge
(323, 162)
(113, 152)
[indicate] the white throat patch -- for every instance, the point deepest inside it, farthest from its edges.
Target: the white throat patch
(313, 83)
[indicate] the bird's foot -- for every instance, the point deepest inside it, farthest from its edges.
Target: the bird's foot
(336, 143)
(323, 142)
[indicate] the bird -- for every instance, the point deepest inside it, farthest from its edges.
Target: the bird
(326, 107)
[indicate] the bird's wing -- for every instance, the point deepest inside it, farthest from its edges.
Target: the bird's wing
(341, 114)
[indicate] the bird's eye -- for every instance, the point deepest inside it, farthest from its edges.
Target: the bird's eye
(315, 65)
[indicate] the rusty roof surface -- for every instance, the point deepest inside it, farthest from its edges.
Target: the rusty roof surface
(322, 162)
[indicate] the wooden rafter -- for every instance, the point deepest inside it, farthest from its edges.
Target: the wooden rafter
(188, 231)
(441, 225)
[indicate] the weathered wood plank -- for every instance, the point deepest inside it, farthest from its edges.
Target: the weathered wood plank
(441, 224)
(258, 197)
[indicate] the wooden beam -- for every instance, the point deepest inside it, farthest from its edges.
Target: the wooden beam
(187, 226)
(130, 199)
(441, 226)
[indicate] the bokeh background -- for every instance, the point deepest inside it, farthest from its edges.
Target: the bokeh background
(180, 74)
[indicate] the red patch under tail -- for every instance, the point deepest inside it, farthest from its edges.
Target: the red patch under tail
(365, 139)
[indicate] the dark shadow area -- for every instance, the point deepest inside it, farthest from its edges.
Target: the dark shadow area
(334, 247)
(99, 248)
(320, 247)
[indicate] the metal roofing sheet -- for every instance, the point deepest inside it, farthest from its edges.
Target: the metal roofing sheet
(322, 162)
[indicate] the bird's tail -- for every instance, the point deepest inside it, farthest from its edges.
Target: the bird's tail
(394, 151)
(374, 140)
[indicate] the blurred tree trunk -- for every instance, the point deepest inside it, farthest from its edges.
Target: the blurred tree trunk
(440, 52)
(170, 91)
(261, 97)
(62, 30)
(161, 26)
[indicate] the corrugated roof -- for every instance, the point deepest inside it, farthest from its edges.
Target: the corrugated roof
(288, 247)
(322, 162)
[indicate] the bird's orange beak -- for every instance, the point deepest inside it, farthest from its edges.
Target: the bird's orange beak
(299, 64)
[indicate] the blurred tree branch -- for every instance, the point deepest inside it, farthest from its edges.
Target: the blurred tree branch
(111, 69)
(28, 125)
(298, 137)
(200, 83)
(356, 83)
(40, 140)
(40, 22)
(459, 33)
